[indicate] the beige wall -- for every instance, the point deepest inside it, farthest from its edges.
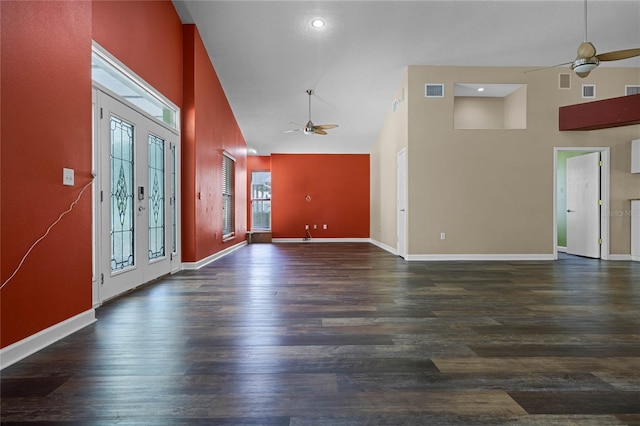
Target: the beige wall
(392, 138)
(491, 191)
(515, 109)
(478, 113)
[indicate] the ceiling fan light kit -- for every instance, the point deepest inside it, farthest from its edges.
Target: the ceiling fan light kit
(584, 65)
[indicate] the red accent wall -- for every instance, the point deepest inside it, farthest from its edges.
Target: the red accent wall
(339, 188)
(258, 164)
(46, 115)
(209, 129)
(46, 126)
(603, 114)
(147, 37)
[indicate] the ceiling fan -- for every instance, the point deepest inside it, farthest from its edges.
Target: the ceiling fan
(310, 128)
(587, 60)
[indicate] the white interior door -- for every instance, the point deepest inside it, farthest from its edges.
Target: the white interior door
(136, 213)
(402, 203)
(583, 205)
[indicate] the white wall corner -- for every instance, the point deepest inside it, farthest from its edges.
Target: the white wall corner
(383, 246)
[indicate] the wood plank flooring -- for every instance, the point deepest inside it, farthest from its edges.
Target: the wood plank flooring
(348, 334)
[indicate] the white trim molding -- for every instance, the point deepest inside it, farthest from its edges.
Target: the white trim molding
(321, 240)
(32, 344)
(481, 257)
(624, 257)
(215, 256)
(383, 246)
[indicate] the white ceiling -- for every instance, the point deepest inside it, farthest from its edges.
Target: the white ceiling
(266, 55)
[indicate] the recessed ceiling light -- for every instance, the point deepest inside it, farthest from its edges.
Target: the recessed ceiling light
(317, 23)
(480, 89)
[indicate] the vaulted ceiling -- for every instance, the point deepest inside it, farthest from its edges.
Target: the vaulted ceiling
(267, 54)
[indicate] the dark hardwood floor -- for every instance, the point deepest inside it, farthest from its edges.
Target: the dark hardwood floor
(348, 334)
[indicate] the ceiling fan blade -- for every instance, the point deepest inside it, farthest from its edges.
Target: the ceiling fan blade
(326, 126)
(617, 55)
(291, 131)
(550, 66)
(319, 131)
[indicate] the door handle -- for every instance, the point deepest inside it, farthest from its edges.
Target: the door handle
(401, 210)
(570, 211)
(140, 208)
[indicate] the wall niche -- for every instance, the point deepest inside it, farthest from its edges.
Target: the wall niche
(489, 106)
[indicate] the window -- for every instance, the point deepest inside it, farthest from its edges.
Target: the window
(228, 192)
(110, 73)
(261, 200)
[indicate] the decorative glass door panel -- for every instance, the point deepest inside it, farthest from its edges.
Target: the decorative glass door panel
(122, 216)
(157, 198)
(172, 201)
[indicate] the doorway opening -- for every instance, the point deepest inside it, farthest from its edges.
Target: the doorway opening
(581, 177)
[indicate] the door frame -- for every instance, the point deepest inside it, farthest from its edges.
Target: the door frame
(175, 257)
(605, 179)
(402, 166)
(124, 73)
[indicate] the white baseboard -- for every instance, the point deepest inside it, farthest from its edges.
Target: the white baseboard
(32, 344)
(562, 249)
(626, 257)
(383, 246)
(321, 240)
(481, 257)
(215, 256)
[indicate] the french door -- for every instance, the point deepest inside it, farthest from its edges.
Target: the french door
(136, 209)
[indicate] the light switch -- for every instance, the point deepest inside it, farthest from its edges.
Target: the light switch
(68, 177)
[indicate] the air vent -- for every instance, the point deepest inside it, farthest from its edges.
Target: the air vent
(588, 90)
(565, 81)
(434, 90)
(631, 90)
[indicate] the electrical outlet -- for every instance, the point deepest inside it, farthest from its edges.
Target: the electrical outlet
(67, 177)
(315, 226)
(443, 236)
(306, 227)
(324, 226)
